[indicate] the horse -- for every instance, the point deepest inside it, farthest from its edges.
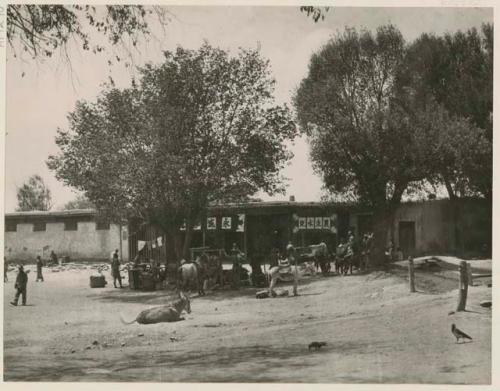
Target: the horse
(192, 274)
(164, 313)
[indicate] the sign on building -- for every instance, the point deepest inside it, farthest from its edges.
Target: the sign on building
(240, 227)
(226, 223)
(211, 223)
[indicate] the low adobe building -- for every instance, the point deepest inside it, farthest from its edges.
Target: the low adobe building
(78, 234)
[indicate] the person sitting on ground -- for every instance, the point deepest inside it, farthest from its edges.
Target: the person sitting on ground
(20, 286)
(39, 265)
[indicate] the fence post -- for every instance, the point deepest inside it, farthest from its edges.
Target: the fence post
(411, 274)
(469, 274)
(462, 288)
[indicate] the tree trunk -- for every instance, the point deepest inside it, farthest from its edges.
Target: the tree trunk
(449, 188)
(381, 220)
(187, 240)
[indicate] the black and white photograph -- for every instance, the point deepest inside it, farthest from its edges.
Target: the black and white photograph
(248, 193)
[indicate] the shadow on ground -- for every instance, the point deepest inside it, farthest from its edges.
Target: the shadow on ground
(181, 366)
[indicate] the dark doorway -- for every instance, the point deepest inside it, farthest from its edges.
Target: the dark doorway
(407, 237)
(365, 224)
(265, 232)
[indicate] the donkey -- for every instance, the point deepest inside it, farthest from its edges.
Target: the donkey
(163, 313)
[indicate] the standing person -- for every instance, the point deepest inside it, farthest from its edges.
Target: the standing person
(53, 258)
(292, 257)
(284, 266)
(39, 265)
(115, 269)
(237, 256)
(21, 286)
(5, 269)
(367, 248)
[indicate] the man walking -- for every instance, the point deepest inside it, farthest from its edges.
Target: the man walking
(21, 284)
(5, 269)
(115, 269)
(39, 265)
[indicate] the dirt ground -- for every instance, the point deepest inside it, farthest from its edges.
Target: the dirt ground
(376, 332)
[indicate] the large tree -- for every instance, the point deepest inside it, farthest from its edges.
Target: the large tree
(368, 136)
(199, 128)
(34, 195)
(455, 71)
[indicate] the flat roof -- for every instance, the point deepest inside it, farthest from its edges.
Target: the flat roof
(45, 213)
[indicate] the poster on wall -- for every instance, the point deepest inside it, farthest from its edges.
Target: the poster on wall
(226, 223)
(318, 223)
(211, 223)
(310, 223)
(326, 222)
(240, 227)
(302, 223)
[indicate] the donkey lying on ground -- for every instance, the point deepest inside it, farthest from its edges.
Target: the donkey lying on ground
(164, 313)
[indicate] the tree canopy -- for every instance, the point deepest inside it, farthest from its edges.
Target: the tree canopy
(455, 71)
(41, 31)
(377, 127)
(80, 202)
(34, 195)
(199, 128)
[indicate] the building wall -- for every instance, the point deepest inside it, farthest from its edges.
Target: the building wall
(86, 243)
(434, 226)
(442, 226)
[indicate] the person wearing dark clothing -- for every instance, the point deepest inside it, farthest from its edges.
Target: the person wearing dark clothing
(53, 257)
(39, 265)
(5, 269)
(237, 256)
(115, 269)
(21, 284)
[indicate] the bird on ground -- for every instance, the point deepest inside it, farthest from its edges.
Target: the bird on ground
(459, 333)
(316, 345)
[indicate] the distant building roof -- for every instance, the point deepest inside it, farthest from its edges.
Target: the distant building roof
(62, 213)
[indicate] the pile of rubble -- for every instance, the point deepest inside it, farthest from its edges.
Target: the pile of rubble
(79, 266)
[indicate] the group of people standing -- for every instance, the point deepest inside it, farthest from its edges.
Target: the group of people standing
(357, 251)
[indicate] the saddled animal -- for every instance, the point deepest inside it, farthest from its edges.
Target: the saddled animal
(191, 274)
(164, 313)
(320, 255)
(343, 259)
(346, 258)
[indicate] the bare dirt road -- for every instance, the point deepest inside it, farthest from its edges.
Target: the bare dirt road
(376, 332)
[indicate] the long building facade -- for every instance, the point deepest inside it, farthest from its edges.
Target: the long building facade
(430, 227)
(76, 234)
(420, 228)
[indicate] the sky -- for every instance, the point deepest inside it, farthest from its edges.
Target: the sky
(39, 96)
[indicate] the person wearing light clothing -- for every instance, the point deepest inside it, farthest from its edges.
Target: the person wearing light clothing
(285, 266)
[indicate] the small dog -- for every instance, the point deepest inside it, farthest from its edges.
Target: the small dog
(316, 345)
